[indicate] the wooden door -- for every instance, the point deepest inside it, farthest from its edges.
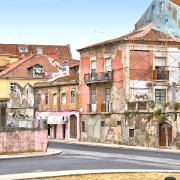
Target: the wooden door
(73, 126)
(162, 136)
(165, 135)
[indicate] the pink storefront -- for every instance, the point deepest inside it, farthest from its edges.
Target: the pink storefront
(61, 125)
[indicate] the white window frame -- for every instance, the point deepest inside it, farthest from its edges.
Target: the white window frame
(72, 102)
(160, 88)
(46, 93)
(63, 101)
(54, 99)
(23, 49)
(107, 57)
(161, 6)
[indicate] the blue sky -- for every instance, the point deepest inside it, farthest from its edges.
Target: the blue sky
(75, 22)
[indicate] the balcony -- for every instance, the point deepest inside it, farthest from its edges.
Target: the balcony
(106, 107)
(160, 75)
(98, 77)
(103, 108)
(140, 105)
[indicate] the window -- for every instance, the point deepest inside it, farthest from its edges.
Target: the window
(119, 123)
(83, 126)
(72, 96)
(39, 50)
(93, 66)
(108, 64)
(161, 7)
(160, 95)
(153, 9)
(37, 72)
(54, 99)
(107, 100)
(93, 96)
(63, 97)
(166, 21)
(131, 132)
(46, 98)
(12, 85)
(23, 49)
(38, 98)
(102, 123)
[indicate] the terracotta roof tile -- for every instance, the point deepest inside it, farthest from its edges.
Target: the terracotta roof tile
(145, 33)
(63, 50)
(20, 68)
(177, 2)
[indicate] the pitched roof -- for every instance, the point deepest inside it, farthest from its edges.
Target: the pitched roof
(20, 68)
(72, 76)
(63, 50)
(145, 33)
(177, 2)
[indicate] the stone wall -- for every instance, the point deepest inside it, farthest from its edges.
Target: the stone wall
(15, 141)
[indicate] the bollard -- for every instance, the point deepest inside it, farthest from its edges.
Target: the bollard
(170, 178)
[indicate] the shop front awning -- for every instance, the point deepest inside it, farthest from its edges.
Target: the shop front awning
(56, 120)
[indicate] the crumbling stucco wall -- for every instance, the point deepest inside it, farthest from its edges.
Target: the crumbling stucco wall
(23, 141)
(109, 132)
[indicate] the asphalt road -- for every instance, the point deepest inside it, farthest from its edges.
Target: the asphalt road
(82, 157)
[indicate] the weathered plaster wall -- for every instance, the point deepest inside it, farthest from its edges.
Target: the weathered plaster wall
(171, 13)
(94, 132)
(23, 141)
(21, 106)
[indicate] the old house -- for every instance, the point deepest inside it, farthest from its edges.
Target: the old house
(21, 106)
(165, 14)
(130, 90)
(57, 104)
(33, 69)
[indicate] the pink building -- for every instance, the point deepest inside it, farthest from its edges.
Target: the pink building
(57, 105)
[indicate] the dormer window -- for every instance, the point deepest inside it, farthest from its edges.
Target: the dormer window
(36, 71)
(23, 49)
(39, 50)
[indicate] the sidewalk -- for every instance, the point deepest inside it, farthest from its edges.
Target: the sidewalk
(49, 152)
(71, 141)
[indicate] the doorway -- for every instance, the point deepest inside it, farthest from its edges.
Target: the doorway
(73, 126)
(63, 131)
(3, 116)
(165, 135)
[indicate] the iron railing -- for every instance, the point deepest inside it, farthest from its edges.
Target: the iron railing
(98, 77)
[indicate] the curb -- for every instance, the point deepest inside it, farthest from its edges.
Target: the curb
(50, 151)
(139, 148)
(77, 172)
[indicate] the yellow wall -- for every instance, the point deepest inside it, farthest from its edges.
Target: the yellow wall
(5, 85)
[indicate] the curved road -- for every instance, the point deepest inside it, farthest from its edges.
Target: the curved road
(83, 157)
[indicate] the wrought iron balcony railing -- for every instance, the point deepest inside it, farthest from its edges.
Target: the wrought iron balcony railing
(98, 77)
